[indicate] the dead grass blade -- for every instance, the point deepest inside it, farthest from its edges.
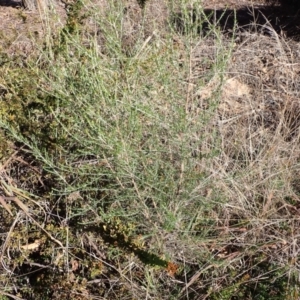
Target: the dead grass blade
(20, 204)
(4, 204)
(11, 296)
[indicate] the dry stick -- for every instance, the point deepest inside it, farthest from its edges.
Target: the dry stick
(25, 209)
(144, 45)
(19, 203)
(194, 278)
(11, 190)
(46, 232)
(190, 84)
(6, 163)
(2, 168)
(4, 204)
(4, 246)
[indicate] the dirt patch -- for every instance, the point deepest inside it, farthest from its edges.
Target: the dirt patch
(21, 30)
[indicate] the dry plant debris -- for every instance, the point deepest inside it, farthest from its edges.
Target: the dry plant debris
(145, 158)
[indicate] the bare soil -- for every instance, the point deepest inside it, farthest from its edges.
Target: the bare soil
(21, 28)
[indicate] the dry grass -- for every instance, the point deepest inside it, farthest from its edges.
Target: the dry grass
(141, 162)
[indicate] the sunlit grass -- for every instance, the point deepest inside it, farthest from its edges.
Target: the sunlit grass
(136, 179)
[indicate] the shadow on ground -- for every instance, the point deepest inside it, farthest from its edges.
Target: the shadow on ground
(268, 19)
(11, 3)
